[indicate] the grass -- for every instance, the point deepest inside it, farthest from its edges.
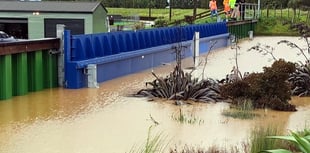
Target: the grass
(154, 143)
(212, 149)
(258, 139)
(163, 13)
(243, 110)
(181, 117)
(273, 25)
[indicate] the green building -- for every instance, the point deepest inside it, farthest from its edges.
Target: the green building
(33, 20)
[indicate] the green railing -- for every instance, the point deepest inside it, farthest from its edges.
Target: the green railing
(27, 66)
(241, 28)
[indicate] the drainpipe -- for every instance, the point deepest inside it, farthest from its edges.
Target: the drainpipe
(60, 59)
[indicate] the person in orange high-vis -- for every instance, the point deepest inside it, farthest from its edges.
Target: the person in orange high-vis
(226, 8)
(213, 8)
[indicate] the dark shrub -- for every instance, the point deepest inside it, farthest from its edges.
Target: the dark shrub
(267, 89)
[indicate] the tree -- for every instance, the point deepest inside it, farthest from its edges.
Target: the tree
(294, 4)
(305, 3)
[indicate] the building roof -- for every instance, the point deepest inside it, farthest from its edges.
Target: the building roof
(49, 6)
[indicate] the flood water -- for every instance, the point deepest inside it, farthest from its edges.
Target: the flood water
(107, 120)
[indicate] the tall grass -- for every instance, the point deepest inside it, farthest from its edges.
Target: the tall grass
(154, 144)
(258, 139)
(213, 149)
(183, 118)
(243, 110)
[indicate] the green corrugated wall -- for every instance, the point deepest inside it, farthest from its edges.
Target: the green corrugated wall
(241, 30)
(20, 78)
(26, 72)
(50, 70)
(6, 89)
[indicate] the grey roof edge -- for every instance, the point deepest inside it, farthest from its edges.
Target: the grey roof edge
(101, 4)
(96, 5)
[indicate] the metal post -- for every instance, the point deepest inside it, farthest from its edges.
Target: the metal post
(258, 8)
(196, 52)
(170, 10)
(60, 28)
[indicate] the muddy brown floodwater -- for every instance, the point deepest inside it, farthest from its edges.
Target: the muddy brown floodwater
(106, 120)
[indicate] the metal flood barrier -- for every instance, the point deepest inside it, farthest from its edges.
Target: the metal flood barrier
(27, 66)
(117, 54)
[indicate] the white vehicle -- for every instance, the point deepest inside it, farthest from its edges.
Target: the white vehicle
(4, 37)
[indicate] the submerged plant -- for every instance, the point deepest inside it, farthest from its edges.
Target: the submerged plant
(243, 110)
(268, 89)
(300, 81)
(258, 139)
(154, 144)
(212, 149)
(186, 119)
(180, 86)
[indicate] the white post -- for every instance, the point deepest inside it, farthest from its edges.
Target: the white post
(258, 8)
(196, 49)
(91, 73)
(60, 28)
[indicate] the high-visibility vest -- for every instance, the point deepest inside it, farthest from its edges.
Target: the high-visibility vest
(226, 5)
(213, 5)
(232, 3)
(225, 2)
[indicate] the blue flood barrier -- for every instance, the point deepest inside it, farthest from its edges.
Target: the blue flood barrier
(121, 53)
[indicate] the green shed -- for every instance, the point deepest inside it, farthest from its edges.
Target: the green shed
(38, 19)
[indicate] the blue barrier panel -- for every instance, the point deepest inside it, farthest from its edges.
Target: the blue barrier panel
(114, 44)
(173, 35)
(78, 52)
(134, 41)
(89, 50)
(128, 42)
(191, 32)
(167, 36)
(107, 50)
(147, 38)
(120, 53)
(159, 40)
(74, 77)
(85, 46)
(163, 36)
(141, 40)
(214, 29)
(152, 38)
(202, 31)
(121, 42)
(98, 46)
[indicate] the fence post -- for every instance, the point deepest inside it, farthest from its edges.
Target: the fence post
(288, 12)
(307, 19)
(281, 10)
(274, 8)
(268, 11)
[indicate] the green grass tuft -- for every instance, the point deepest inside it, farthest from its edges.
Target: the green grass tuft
(154, 144)
(183, 118)
(258, 139)
(243, 110)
